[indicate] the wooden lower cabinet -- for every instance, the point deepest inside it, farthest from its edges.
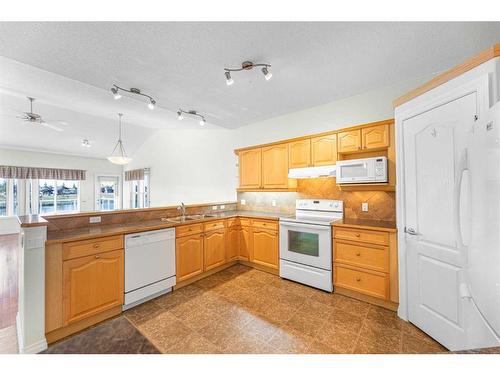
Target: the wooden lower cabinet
(189, 256)
(245, 243)
(92, 284)
(214, 249)
(265, 247)
(232, 243)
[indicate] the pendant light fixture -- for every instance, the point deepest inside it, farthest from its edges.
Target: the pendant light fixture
(247, 65)
(115, 90)
(181, 112)
(119, 156)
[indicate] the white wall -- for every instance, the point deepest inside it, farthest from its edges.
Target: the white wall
(38, 159)
(371, 106)
(190, 166)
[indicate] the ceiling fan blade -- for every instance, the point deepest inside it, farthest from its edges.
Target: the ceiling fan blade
(51, 126)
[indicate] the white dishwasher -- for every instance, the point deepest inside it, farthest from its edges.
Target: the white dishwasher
(149, 265)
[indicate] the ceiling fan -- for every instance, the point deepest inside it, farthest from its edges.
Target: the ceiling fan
(35, 118)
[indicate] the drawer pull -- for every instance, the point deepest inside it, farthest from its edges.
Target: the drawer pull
(358, 254)
(357, 234)
(97, 256)
(190, 229)
(358, 278)
(95, 246)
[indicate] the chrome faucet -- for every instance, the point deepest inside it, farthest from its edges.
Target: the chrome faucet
(182, 208)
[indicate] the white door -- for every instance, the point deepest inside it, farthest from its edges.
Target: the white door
(435, 158)
(107, 193)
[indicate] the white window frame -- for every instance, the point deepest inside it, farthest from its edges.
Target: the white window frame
(144, 201)
(55, 195)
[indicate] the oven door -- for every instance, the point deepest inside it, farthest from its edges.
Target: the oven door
(307, 244)
(355, 172)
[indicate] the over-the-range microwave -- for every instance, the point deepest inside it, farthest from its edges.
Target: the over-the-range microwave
(362, 171)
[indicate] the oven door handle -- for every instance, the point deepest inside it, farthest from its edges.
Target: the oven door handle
(301, 225)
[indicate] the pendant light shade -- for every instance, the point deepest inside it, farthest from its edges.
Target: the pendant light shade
(119, 156)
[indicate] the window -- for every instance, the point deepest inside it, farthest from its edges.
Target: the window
(3, 197)
(58, 196)
(139, 192)
(107, 193)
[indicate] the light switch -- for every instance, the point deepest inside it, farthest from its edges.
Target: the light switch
(94, 219)
(364, 206)
(273, 203)
(243, 202)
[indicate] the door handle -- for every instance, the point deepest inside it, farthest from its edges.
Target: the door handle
(411, 231)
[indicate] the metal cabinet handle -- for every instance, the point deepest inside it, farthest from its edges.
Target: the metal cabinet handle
(357, 234)
(358, 278)
(358, 254)
(97, 256)
(95, 246)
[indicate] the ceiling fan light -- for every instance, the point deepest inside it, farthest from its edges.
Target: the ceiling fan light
(119, 160)
(151, 104)
(115, 93)
(119, 156)
(229, 80)
(267, 74)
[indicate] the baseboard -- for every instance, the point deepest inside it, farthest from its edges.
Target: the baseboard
(363, 297)
(34, 348)
(259, 267)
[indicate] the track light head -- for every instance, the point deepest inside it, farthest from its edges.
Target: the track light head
(202, 122)
(115, 93)
(151, 104)
(180, 116)
(86, 143)
(229, 80)
(267, 74)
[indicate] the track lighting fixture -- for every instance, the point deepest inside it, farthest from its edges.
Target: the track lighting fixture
(115, 90)
(86, 143)
(247, 65)
(180, 116)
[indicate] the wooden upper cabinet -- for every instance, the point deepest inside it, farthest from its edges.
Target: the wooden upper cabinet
(375, 137)
(265, 247)
(349, 141)
(188, 256)
(251, 168)
(324, 150)
(214, 249)
(275, 166)
(91, 285)
(299, 154)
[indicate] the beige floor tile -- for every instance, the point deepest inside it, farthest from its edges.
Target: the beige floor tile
(414, 345)
(316, 310)
(383, 317)
(376, 339)
(288, 341)
(305, 324)
(193, 344)
(354, 306)
(262, 328)
(340, 340)
(145, 311)
(340, 319)
(165, 330)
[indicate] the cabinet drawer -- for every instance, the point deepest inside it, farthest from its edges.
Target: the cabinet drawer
(245, 222)
(371, 283)
(79, 249)
(213, 225)
(272, 225)
(372, 257)
(370, 236)
(186, 230)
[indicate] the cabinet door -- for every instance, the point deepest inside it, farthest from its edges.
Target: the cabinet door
(189, 256)
(299, 154)
(214, 249)
(324, 150)
(251, 168)
(232, 243)
(245, 243)
(350, 141)
(375, 137)
(275, 166)
(92, 284)
(265, 248)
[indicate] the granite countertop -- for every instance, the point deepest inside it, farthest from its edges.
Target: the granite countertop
(140, 226)
(388, 226)
(32, 221)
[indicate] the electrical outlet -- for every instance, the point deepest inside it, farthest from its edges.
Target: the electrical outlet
(214, 208)
(243, 202)
(364, 206)
(94, 219)
(222, 206)
(273, 203)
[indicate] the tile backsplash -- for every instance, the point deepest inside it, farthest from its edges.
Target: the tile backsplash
(381, 204)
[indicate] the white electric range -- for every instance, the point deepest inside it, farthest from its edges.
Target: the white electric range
(306, 242)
